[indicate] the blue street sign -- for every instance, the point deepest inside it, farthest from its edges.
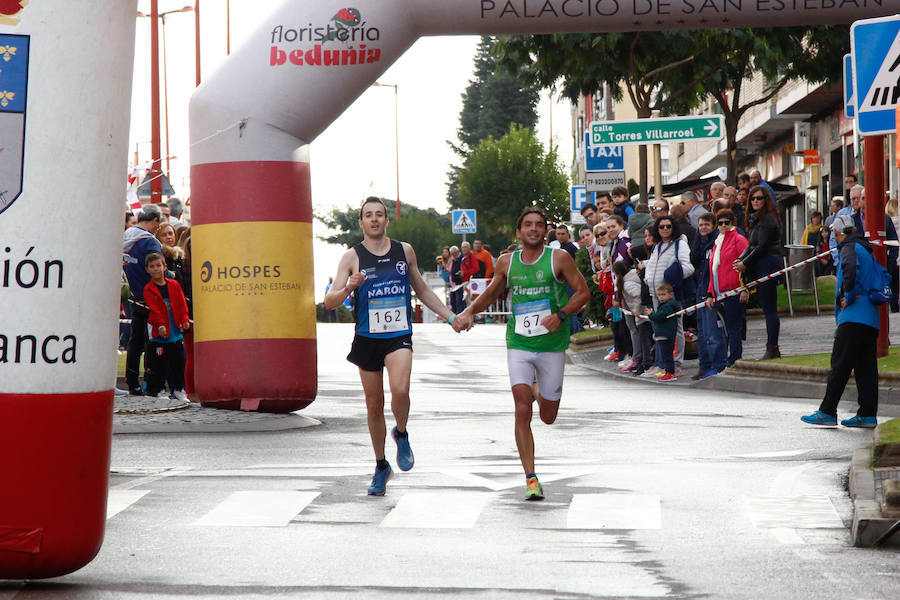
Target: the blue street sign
(603, 157)
(578, 198)
(875, 51)
(464, 220)
(849, 98)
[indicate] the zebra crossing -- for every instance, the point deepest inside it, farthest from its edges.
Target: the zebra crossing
(428, 507)
(451, 509)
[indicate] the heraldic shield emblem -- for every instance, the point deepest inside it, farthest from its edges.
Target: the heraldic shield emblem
(13, 91)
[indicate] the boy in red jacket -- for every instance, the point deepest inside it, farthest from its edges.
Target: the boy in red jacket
(168, 318)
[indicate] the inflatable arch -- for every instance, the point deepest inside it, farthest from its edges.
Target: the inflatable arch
(64, 103)
(251, 124)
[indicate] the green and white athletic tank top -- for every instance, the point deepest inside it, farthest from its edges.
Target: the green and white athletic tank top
(535, 293)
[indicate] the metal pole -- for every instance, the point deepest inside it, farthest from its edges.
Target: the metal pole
(165, 63)
(657, 168)
(197, 40)
(873, 168)
(155, 169)
(397, 142)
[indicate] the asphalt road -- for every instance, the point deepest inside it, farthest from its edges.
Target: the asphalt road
(651, 492)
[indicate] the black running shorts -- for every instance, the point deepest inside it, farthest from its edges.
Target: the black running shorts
(368, 353)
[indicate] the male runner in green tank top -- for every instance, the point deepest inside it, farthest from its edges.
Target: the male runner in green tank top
(537, 334)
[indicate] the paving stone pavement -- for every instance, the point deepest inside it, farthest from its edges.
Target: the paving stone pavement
(145, 414)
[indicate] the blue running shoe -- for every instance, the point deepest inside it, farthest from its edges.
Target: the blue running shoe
(379, 481)
(707, 375)
(405, 458)
(858, 421)
(819, 418)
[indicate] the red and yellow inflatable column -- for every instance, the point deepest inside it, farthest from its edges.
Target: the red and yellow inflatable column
(254, 309)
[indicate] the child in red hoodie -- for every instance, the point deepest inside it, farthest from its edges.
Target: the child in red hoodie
(168, 318)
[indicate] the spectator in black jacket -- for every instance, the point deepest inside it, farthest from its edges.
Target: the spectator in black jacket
(763, 256)
(706, 317)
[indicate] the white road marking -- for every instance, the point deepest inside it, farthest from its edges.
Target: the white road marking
(780, 454)
(155, 476)
(258, 509)
(118, 500)
(797, 512)
(438, 510)
(614, 511)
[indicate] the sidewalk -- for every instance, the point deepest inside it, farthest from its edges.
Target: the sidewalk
(799, 335)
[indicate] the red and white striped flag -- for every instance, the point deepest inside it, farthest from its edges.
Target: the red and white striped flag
(135, 176)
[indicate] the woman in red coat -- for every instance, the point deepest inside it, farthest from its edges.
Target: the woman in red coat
(729, 245)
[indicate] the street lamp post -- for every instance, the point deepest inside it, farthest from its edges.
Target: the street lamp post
(197, 40)
(156, 169)
(396, 136)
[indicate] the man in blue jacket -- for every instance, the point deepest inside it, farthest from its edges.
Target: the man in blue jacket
(857, 331)
(138, 243)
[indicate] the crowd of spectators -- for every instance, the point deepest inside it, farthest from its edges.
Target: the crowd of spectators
(690, 251)
(153, 321)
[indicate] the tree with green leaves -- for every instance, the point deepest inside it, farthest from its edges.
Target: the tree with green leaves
(493, 100)
(502, 176)
(426, 231)
(656, 69)
(671, 71)
(781, 55)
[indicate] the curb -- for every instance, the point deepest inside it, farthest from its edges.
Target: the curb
(868, 524)
(760, 379)
(798, 371)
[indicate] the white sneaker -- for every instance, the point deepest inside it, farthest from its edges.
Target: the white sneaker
(650, 373)
(163, 394)
(119, 393)
(626, 364)
(180, 395)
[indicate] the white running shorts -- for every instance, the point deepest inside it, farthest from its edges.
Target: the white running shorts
(546, 367)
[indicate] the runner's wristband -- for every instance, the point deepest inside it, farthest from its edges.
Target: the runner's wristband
(450, 320)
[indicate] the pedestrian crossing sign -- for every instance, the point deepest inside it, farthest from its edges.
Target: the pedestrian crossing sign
(464, 220)
(849, 96)
(875, 52)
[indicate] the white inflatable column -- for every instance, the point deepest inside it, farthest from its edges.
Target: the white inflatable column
(65, 92)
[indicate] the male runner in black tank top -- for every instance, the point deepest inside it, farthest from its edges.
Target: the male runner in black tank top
(383, 341)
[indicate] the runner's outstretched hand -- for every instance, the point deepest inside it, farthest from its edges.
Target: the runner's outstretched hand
(462, 322)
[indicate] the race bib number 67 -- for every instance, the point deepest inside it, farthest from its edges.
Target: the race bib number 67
(388, 315)
(529, 316)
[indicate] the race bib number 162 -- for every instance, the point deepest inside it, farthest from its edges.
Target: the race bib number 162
(388, 315)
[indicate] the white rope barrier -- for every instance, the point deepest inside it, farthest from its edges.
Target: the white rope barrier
(752, 284)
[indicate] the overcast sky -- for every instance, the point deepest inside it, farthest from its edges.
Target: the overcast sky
(354, 157)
